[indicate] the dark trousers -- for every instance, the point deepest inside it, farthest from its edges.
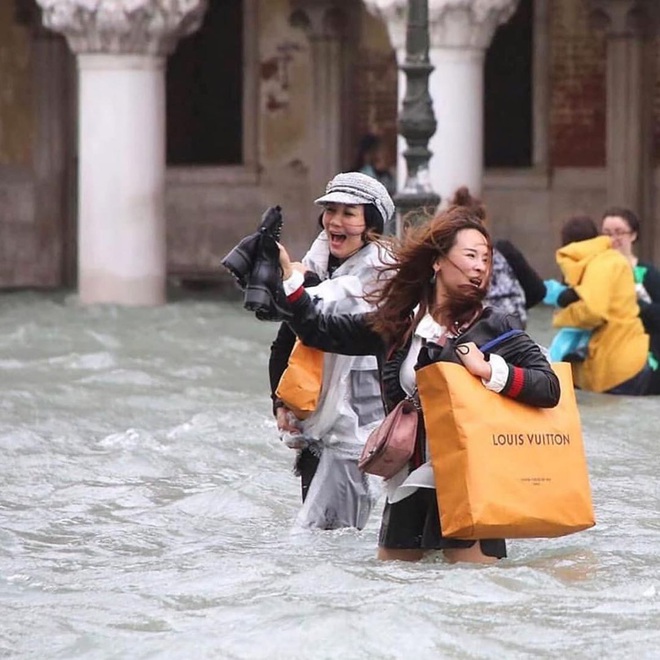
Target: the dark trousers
(306, 466)
(638, 385)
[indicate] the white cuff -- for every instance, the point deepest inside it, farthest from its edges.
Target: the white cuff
(499, 373)
(293, 283)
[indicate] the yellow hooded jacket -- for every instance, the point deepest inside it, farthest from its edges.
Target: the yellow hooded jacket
(603, 279)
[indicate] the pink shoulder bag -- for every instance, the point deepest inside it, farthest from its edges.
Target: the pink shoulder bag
(391, 445)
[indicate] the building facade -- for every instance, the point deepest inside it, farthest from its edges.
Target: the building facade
(135, 150)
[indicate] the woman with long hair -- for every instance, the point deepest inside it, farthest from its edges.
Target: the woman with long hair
(430, 306)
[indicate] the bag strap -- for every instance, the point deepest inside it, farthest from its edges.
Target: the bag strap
(414, 399)
(488, 346)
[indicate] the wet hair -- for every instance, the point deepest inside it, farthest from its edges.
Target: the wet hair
(412, 282)
(626, 215)
(578, 228)
(373, 221)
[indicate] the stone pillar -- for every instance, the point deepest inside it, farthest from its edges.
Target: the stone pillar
(121, 47)
(460, 31)
(630, 26)
(326, 23)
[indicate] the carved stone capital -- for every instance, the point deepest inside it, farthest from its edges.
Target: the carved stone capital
(452, 23)
(322, 19)
(137, 27)
(467, 23)
(625, 18)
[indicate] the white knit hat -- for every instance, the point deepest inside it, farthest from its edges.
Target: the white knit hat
(358, 188)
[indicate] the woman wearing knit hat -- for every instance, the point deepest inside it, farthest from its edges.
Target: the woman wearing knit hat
(342, 264)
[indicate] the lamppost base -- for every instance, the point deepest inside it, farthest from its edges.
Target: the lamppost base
(416, 207)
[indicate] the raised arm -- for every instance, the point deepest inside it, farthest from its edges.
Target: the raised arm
(347, 334)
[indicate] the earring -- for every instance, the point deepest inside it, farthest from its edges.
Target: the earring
(433, 277)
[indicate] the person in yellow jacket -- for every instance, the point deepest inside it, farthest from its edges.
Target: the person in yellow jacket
(600, 297)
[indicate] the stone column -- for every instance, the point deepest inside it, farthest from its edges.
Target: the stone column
(630, 26)
(326, 23)
(460, 31)
(121, 47)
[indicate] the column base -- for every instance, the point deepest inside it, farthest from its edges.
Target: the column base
(107, 288)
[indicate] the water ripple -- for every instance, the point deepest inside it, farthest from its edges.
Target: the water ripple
(147, 504)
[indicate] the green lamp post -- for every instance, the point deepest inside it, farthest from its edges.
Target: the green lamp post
(416, 201)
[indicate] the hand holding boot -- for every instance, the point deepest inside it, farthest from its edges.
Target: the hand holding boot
(286, 264)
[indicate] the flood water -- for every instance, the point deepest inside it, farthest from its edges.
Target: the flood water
(146, 508)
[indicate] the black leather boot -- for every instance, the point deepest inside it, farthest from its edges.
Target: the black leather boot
(240, 259)
(264, 293)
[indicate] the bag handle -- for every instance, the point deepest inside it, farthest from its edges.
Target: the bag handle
(414, 399)
(489, 345)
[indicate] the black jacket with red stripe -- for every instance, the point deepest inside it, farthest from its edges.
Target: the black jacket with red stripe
(531, 380)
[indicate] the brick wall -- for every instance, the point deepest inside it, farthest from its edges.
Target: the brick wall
(375, 89)
(577, 84)
(374, 86)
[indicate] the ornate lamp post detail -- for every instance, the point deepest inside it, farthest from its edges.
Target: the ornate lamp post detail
(459, 32)
(417, 122)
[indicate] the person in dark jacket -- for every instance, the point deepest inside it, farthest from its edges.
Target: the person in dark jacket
(431, 306)
(530, 281)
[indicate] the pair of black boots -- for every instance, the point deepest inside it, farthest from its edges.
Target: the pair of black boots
(255, 264)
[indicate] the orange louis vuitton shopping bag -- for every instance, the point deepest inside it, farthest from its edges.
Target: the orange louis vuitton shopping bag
(504, 469)
(300, 384)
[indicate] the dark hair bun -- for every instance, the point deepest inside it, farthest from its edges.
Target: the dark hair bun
(462, 197)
